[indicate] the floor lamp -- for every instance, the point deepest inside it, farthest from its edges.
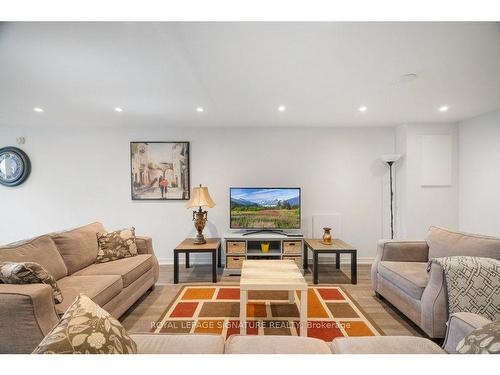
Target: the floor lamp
(390, 159)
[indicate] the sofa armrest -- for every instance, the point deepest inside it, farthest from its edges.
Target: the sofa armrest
(27, 314)
(460, 325)
(145, 246)
(398, 251)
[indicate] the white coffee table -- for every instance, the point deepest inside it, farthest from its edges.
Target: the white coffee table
(272, 275)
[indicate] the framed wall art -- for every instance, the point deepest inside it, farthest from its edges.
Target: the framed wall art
(159, 170)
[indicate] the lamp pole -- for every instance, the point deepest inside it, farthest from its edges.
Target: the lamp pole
(390, 159)
(392, 198)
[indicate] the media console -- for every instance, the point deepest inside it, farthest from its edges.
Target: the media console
(241, 246)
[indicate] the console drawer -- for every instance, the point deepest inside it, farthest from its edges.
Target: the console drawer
(292, 247)
(234, 262)
(235, 247)
(297, 260)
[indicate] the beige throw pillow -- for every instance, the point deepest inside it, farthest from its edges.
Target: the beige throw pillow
(29, 273)
(484, 340)
(86, 328)
(116, 245)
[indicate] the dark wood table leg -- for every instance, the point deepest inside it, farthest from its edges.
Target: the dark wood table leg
(354, 268)
(219, 256)
(304, 258)
(214, 266)
(187, 259)
(315, 267)
(176, 267)
(337, 260)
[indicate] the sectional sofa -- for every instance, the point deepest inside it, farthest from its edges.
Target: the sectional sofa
(28, 312)
(460, 325)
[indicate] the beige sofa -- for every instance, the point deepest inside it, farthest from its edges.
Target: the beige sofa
(399, 274)
(460, 325)
(28, 312)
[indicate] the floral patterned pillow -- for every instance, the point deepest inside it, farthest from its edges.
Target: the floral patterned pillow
(28, 273)
(86, 328)
(484, 340)
(116, 245)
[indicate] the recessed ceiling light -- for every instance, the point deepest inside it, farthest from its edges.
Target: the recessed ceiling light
(118, 109)
(281, 108)
(443, 108)
(199, 109)
(38, 109)
(363, 108)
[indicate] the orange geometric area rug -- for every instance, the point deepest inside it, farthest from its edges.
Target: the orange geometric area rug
(202, 309)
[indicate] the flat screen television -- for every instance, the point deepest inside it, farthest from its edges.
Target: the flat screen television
(264, 208)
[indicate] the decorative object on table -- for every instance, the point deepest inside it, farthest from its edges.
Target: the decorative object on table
(15, 166)
(159, 170)
(264, 247)
(327, 236)
(390, 159)
(29, 273)
(116, 245)
(200, 198)
(86, 328)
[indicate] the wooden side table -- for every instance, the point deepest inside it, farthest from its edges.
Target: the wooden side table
(213, 246)
(337, 247)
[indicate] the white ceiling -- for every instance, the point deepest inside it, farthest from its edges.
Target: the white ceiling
(241, 72)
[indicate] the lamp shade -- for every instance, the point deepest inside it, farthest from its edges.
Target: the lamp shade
(200, 198)
(390, 158)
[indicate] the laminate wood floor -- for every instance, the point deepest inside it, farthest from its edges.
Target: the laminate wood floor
(149, 308)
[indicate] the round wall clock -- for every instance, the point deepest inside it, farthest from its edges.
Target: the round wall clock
(15, 166)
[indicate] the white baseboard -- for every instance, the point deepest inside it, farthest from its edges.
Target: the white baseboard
(347, 260)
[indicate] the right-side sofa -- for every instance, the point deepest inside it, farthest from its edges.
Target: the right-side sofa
(28, 312)
(399, 274)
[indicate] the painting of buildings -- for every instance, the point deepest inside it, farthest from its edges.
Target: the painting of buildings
(160, 170)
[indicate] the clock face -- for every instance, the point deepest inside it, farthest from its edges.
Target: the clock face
(14, 166)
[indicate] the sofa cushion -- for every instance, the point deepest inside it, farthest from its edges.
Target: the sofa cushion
(483, 340)
(443, 242)
(116, 245)
(240, 344)
(29, 273)
(385, 345)
(411, 277)
(460, 325)
(101, 289)
(130, 269)
(87, 329)
(78, 247)
(41, 250)
(178, 344)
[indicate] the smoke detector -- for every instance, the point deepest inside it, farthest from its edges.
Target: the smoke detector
(408, 77)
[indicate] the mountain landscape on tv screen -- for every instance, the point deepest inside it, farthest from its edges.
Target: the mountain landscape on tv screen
(265, 208)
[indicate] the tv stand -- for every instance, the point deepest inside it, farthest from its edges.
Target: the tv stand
(275, 231)
(247, 245)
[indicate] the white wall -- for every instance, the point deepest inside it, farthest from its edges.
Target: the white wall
(420, 207)
(83, 175)
(479, 180)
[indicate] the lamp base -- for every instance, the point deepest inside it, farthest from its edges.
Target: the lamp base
(199, 240)
(199, 218)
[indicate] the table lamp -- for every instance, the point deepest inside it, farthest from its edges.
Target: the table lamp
(200, 198)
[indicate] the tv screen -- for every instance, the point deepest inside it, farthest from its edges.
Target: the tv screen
(265, 208)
